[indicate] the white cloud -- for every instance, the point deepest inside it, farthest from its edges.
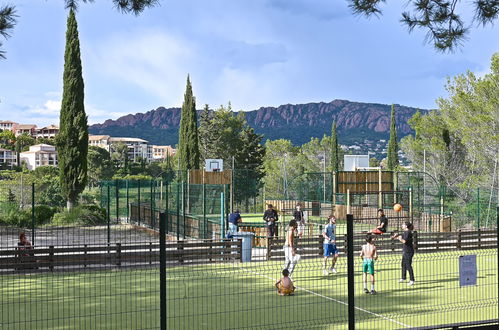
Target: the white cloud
(151, 60)
(50, 108)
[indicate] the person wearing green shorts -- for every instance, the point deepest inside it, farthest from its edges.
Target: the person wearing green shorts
(368, 255)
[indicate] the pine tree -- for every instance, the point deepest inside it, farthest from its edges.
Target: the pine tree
(335, 156)
(72, 140)
(392, 156)
(188, 133)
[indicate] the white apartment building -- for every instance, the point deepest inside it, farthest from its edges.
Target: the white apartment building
(161, 152)
(101, 141)
(137, 148)
(8, 158)
(39, 155)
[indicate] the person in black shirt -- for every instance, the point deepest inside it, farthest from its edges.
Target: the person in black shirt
(300, 219)
(383, 223)
(408, 252)
(270, 217)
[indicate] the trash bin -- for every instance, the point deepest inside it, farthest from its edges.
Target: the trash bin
(247, 244)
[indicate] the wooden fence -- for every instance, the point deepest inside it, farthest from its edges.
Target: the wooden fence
(118, 255)
(312, 247)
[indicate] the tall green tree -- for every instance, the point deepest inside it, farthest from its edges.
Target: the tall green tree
(335, 156)
(392, 153)
(461, 139)
(100, 166)
(226, 135)
(72, 140)
(188, 133)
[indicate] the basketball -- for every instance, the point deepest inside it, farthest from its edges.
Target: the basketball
(397, 207)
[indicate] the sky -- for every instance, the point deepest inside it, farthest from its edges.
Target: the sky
(251, 53)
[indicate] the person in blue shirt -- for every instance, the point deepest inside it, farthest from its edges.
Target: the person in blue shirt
(330, 249)
(234, 220)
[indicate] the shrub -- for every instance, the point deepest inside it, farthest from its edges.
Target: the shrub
(43, 214)
(87, 214)
(12, 215)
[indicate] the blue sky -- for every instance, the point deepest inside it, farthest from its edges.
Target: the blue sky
(252, 53)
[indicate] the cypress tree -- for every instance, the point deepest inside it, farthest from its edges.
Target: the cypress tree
(72, 140)
(188, 133)
(392, 156)
(335, 156)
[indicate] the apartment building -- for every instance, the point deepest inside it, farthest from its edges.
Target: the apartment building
(48, 132)
(21, 129)
(8, 158)
(161, 152)
(137, 148)
(7, 125)
(39, 155)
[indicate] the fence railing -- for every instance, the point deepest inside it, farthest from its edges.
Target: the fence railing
(117, 255)
(311, 247)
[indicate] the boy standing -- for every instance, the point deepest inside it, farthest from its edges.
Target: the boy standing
(285, 284)
(291, 258)
(368, 254)
(329, 234)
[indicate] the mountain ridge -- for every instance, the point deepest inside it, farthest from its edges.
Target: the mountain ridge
(356, 122)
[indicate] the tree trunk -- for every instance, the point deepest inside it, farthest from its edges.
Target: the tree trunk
(70, 204)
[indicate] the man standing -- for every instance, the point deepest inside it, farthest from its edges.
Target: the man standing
(291, 258)
(300, 219)
(383, 223)
(270, 217)
(234, 220)
(329, 234)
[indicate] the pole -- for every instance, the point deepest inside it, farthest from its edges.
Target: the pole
(152, 204)
(351, 285)
(205, 224)
(178, 211)
(183, 206)
(162, 271)
(222, 215)
(33, 213)
(108, 214)
(348, 201)
(324, 178)
(127, 202)
(424, 180)
(138, 202)
(478, 207)
(117, 191)
(232, 186)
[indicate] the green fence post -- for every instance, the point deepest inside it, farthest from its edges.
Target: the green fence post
(33, 220)
(152, 205)
(222, 215)
(138, 200)
(350, 272)
(184, 186)
(117, 192)
(127, 202)
(205, 224)
(162, 271)
(108, 213)
(178, 211)
(478, 207)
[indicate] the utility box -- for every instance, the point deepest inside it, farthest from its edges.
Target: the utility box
(247, 244)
